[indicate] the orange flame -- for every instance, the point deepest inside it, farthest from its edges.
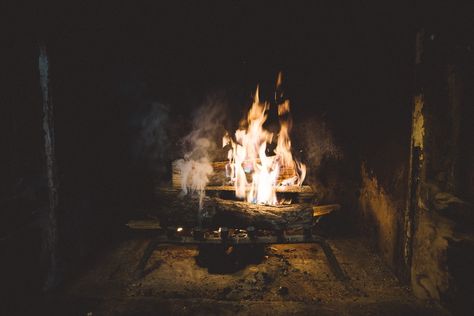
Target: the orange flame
(254, 174)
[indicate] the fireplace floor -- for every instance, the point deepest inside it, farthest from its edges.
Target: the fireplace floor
(280, 279)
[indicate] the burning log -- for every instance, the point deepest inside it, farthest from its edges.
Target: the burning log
(281, 189)
(182, 211)
(218, 176)
(219, 182)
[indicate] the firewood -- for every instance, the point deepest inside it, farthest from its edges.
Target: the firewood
(286, 188)
(321, 210)
(178, 210)
(218, 177)
(219, 182)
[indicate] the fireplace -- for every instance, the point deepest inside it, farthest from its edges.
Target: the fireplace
(238, 158)
(257, 197)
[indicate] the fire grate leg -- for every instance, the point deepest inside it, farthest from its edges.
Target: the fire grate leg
(333, 263)
(140, 270)
(336, 268)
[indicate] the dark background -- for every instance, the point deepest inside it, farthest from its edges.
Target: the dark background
(350, 65)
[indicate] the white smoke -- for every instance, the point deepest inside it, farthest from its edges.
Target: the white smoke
(195, 174)
(319, 151)
(152, 149)
(200, 147)
(317, 141)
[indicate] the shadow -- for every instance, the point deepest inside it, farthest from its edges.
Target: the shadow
(141, 274)
(221, 259)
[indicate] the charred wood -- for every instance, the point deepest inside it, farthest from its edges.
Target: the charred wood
(176, 209)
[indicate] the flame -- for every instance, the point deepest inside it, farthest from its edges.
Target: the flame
(255, 174)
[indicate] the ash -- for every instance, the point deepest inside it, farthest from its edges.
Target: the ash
(277, 280)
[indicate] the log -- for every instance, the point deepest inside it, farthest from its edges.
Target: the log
(218, 177)
(177, 210)
(219, 182)
(321, 210)
(297, 194)
(279, 189)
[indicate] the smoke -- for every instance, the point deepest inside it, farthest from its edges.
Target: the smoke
(200, 146)
(153, 144)
(318, 142)
(322, 156)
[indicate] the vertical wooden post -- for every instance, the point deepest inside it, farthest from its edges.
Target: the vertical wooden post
(51, 235)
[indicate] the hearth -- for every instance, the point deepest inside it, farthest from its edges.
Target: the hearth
(205, 198)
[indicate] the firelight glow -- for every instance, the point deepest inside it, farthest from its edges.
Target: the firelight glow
(255, 175)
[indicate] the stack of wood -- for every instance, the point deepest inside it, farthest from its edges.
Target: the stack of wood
(219, 182)
(177, 209)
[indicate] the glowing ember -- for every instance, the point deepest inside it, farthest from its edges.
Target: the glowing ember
(254, 174)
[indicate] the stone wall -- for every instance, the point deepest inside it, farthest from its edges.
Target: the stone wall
(441, 202)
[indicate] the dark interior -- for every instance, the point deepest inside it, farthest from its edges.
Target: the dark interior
(382, 103)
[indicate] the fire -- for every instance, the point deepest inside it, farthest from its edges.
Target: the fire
(255, 174)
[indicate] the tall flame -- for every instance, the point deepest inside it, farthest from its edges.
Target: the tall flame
(255, 175)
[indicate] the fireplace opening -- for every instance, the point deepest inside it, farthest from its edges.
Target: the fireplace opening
(238, 158)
